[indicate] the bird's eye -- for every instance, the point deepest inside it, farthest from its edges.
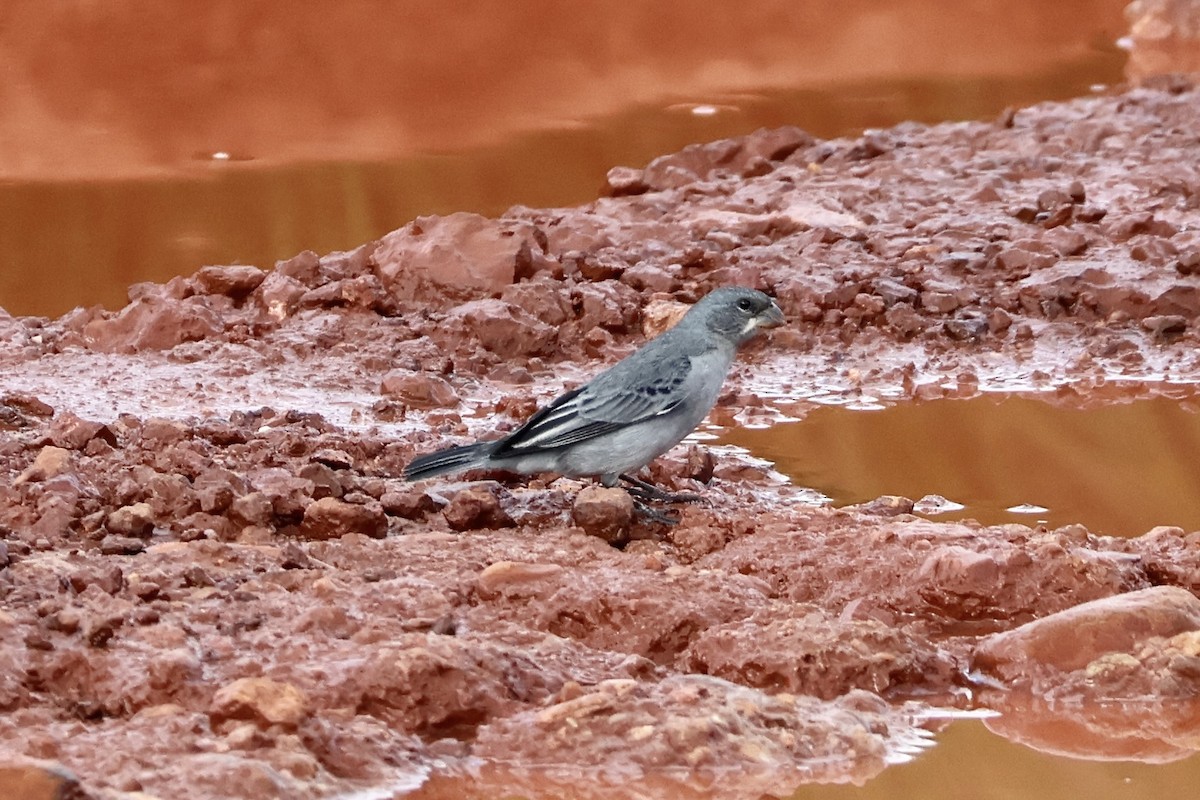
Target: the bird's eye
(745, 305)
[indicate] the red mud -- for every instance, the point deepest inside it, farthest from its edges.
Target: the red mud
(214, 583)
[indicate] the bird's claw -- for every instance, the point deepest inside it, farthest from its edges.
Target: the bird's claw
(653, 514)
(646, 491)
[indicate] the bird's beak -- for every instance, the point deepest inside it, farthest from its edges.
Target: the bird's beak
(772, 317)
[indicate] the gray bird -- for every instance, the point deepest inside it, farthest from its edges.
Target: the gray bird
(632, 412)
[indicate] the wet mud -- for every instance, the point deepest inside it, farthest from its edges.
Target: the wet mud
(214, 583)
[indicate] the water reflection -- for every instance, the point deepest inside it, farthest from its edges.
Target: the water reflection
(1117, 469)
(1151, 731)
(971, 763)
(342, 121)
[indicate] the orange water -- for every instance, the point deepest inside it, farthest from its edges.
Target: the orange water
(138, 143)
(1118, 469)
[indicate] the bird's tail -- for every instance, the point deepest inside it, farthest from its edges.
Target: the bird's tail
(452, 459)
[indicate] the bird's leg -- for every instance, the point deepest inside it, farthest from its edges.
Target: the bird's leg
(644, 490)
(653, 514)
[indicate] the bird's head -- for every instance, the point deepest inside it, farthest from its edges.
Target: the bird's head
(736, 313)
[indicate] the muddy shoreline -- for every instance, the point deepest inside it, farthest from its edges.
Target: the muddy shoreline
(213, 582)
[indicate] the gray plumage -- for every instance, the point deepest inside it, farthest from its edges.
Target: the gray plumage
(632, 412)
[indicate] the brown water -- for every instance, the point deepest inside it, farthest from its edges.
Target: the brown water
(343, 120)
(1118, 469)
(972, 763)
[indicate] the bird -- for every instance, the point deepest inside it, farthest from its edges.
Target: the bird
(632, 412)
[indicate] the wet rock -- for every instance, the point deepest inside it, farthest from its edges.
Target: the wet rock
(892, 291)
(517, 579)
(153, 324)
(324, 480)
(333, 458)
(408, 504)
(661, 315)
(50, 461)
(623, 181)
(1124, 227)
(905, 320)
(234, 281)
(886, 506)
(1188, 263)
(254, 508)
(476, 507)
(603, 512)
(114, 545)
(967, 327)
(700, 464)
(109, 577)
(28, 779)
(459, 250)
(163, 431)
(539, 299)
(73, 433)
(216, 488)
(500, 327)
(419, 390)
(279, 295)
(1076, 637)
(260, 700)
(1165, 325)
(688, 722)
(998, 320)
(135, 520)
(330, 518)
(649, 278)
(289, 494)
(816, 655)
(304, 268)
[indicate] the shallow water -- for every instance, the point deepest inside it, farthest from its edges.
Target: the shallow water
(1117, 469)
(250, 132)
(972, 763)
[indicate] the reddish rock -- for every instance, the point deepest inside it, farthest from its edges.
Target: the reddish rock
(460, 250)
(540, 299)
(253, 508)
(330, 518)
(517, 579)
(304, 268)
(71, 432)
(500, 327)
(602, 512)
(216, 489)
(289, 494)
(418, 390)
(686, 723)
(816, 655)
(234, 281)
(153, 324)
(50, 461)
(260, 700)
(622, 181)
(163, 431)
(1076, 637)
(408, 504)
(26, 403)
(279, 294)
(476, 506)
(135, 520)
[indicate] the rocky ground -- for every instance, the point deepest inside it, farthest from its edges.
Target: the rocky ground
(214, 584)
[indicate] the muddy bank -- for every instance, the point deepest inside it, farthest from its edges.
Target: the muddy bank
(215, 584)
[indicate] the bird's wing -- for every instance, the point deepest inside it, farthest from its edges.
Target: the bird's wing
(612, 401)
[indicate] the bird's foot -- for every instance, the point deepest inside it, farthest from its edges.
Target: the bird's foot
(651, 514)
(647, 492)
